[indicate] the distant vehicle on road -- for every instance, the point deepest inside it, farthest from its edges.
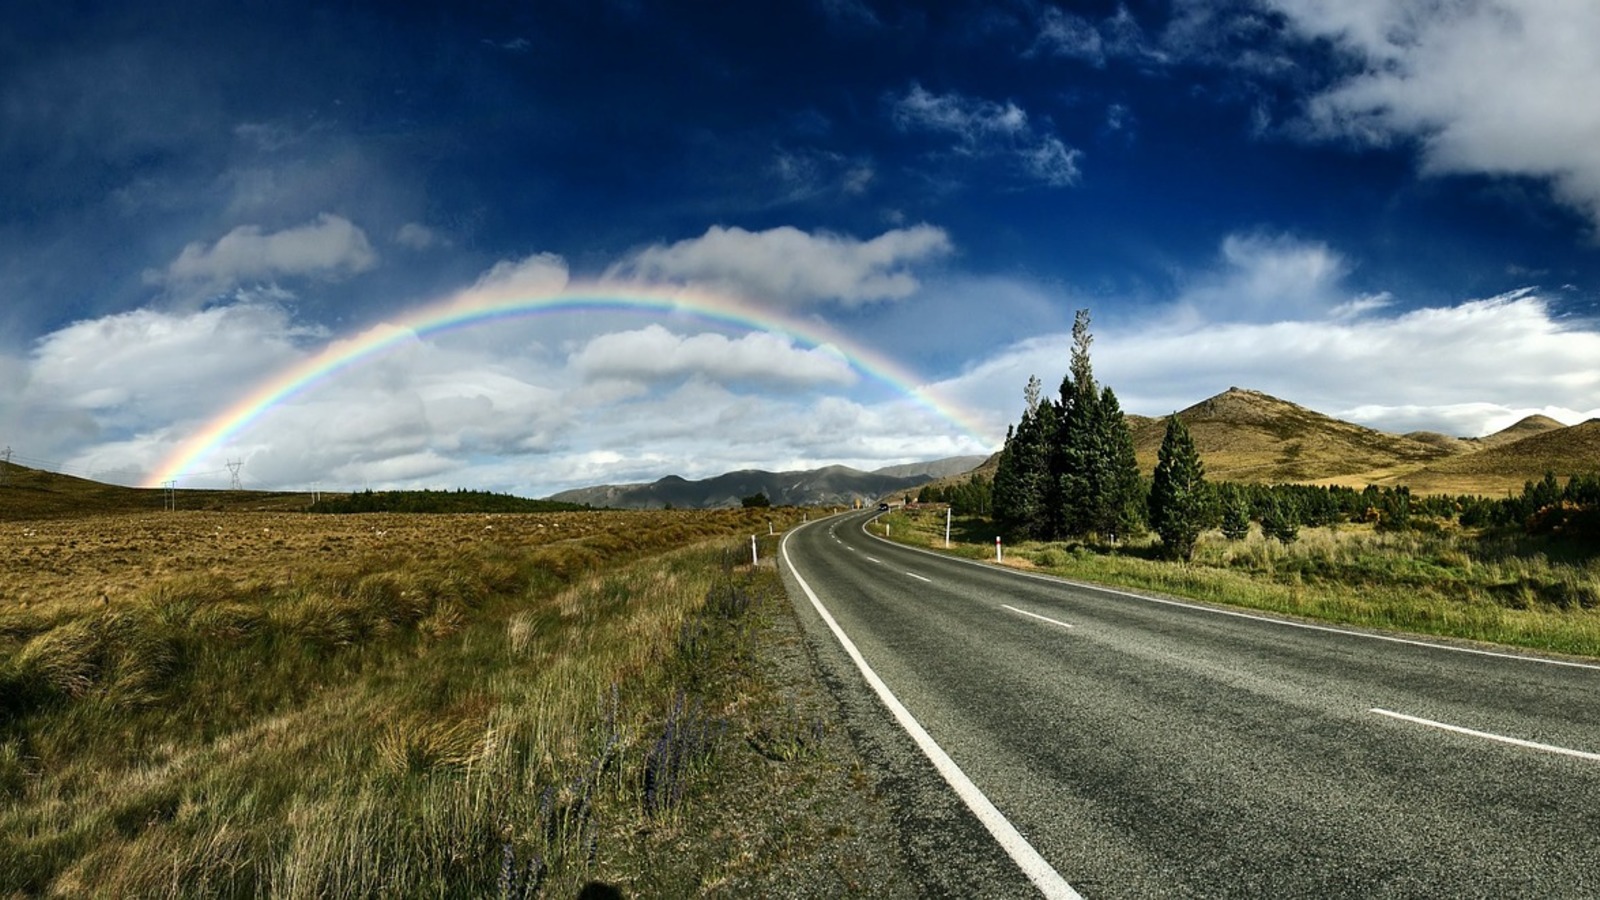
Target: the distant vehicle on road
(883, 507)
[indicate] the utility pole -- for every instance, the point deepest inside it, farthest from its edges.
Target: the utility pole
(170, 499)
(233, 469)
(5, 465)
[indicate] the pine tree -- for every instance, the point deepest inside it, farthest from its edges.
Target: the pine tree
(1235, 513)
(1021, 482)
(1117, 503)
(1075, 450)
(1281, 518)
(1178, 494)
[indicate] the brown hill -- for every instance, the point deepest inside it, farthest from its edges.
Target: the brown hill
(1245, 435)
(1505, 467)
(1524, 428)
(35, 494)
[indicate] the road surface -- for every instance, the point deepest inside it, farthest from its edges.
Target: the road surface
(1143, 747)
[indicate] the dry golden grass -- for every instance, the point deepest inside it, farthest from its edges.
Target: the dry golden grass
(302, 705)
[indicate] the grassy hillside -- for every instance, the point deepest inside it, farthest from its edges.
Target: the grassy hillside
(1245, 435)
(1524, 428)
(33, 494)
(1504, 466)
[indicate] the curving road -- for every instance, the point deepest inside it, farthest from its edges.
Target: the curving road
(1143, 747)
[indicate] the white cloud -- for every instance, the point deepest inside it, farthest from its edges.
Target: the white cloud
(152, 363)
(1268, 276)
(535, 275)
(329, 247)
(984, 128)
(788, 266)
(1497, 87)
(653, 353)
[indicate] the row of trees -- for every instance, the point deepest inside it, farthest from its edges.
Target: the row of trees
(1068, 468)
(971, 497)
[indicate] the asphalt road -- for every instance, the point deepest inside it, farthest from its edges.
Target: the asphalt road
(1149, 748)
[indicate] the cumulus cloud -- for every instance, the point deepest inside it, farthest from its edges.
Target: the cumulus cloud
(984, 128)
(653, 353)
(329, 247)
(535, 275)
(1494, 87)
(788, 266)
(148, 362)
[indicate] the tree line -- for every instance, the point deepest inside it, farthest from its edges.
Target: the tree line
(1068, 471)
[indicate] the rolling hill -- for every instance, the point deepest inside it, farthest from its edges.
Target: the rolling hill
(36, 494)
(840, 485)
(1245, 435)
(1504, 465)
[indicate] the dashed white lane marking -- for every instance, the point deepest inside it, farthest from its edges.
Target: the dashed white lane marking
(1488, 736)
(872, 559)
(1041, 873)
(1037, 616)
(919, 577)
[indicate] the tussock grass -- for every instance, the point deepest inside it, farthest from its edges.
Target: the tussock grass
(486, 721)
(1449, 583)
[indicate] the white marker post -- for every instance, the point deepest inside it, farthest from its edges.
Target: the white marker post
(997, 555)
(947, 510)
(753, 560)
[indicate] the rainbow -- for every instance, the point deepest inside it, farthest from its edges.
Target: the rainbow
(480, 307)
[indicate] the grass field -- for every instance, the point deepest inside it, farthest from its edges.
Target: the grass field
(1517, 592)
(229, 704)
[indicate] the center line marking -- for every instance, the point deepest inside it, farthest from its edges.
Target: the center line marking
(1488, 736)
(871, 559)
(1036, 616)
(919, 577)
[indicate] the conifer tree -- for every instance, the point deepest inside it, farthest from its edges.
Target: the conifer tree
(1021, 481)
(1235, 513)
(1075, 452)
(1178, 494)
(1281, 518)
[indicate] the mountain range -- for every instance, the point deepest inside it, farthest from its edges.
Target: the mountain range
(831, 485)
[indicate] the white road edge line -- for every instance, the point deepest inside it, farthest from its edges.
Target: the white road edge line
(1037, 616)
(1488, 736)
(1041, 873)
(1056, 579)
(919, 577)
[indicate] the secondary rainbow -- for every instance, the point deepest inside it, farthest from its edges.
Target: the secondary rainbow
(480, 307)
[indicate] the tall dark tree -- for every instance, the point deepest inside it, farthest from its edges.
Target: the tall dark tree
(1179, 498)
(1021, 482)
(1075, 449)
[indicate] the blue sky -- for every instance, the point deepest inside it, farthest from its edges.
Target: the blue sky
(1384, 210)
